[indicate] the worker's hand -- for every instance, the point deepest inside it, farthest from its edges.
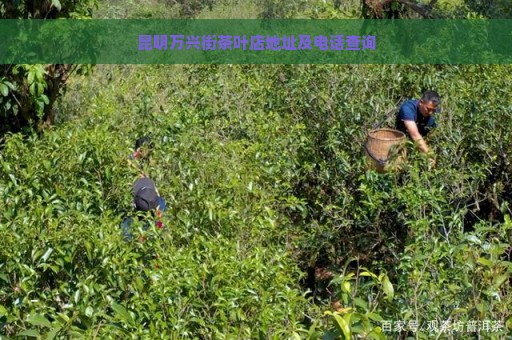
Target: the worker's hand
(431, 158)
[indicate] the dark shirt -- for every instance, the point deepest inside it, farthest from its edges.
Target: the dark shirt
(410, 111)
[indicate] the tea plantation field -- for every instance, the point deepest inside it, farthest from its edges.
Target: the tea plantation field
(275, 228)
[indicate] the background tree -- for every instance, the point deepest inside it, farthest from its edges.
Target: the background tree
(28, 92)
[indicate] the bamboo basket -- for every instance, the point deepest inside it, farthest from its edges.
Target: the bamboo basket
(385, 149)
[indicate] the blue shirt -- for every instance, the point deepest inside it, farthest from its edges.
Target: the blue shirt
(410, 111)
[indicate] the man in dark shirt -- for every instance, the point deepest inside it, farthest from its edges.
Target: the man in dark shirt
(145, 198)
(416, 117)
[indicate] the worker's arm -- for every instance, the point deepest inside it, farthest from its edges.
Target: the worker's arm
(412, 128)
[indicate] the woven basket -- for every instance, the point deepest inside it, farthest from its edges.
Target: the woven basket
(385, 149)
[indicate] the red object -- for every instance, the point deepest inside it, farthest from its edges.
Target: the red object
(159, 224)
(156, 258)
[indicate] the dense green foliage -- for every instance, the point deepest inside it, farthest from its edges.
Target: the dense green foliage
(275, 228)
(265, 177)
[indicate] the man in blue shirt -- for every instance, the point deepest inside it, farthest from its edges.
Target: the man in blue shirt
(416, 117)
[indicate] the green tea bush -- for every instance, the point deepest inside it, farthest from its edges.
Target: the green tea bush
(219, 268)
(265, 180)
